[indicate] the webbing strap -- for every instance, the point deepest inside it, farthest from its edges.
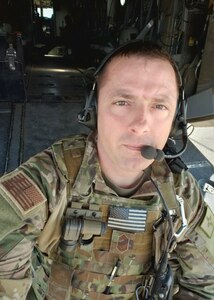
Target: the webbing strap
(59, 285)
(68, 155)
(73, 160)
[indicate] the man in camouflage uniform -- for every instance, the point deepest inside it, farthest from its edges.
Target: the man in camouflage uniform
(88, 218)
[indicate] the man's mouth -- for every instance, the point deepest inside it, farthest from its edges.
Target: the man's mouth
(134, 147)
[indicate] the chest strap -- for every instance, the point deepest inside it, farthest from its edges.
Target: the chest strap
(59, 284)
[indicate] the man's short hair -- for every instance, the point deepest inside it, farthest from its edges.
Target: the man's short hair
(143, 49)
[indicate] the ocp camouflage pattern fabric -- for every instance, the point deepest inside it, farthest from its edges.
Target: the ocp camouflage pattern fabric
(34, 200)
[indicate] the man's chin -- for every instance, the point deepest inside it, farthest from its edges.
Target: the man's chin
(136, 165)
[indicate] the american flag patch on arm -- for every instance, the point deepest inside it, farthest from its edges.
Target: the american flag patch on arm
(127, 219)
(22, 192)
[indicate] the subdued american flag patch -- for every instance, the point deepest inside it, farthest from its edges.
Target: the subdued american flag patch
(130, 219)
(22, 191)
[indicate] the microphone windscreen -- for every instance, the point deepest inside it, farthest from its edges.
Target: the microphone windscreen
(150, 152)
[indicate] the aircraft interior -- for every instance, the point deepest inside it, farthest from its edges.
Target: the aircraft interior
(49, 50)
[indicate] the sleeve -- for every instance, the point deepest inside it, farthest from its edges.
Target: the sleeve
(28, 198)
(195, 252)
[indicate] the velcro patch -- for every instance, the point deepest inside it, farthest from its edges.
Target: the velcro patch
(207, 224)
(127, 219)
(22, 191)
(206, 231)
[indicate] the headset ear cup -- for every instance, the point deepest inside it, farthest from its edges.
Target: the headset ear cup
(88, 115)
(175, 125)
(179, 126)
(176, 128)
(88, 118)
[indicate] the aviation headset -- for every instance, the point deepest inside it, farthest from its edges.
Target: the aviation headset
(88, 115)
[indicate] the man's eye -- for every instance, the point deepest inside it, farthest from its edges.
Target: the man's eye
(160, 106)
(121, 103)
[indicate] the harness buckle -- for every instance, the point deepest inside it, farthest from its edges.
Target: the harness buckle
(183, 217)
(143, 290)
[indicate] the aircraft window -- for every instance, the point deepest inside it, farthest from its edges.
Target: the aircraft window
(46, 12)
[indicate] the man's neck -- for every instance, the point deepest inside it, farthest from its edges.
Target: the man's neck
(121, 178)
(127, 191)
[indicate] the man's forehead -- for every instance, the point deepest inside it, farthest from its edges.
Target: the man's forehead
(114, 64)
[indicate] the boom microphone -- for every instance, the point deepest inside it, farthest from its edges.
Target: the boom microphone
(150, 152)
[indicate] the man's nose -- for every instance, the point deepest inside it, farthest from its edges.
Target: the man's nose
(140, 122)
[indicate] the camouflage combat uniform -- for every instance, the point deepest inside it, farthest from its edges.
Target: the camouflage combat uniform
(36, 261)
